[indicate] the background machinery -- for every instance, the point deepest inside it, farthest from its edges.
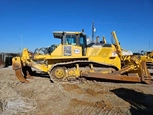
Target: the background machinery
(147, 56)
(74, 59)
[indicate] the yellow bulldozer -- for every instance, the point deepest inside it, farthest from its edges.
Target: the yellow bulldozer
(74, 59)
(147, 56)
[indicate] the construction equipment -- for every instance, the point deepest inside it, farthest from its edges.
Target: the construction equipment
(73, 59)
(147, 56)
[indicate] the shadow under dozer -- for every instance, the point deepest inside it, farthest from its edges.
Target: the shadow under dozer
(141, 104)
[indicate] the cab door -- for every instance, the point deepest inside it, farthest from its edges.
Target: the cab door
(71, 46)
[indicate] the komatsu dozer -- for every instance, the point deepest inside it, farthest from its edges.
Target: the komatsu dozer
(74, 59)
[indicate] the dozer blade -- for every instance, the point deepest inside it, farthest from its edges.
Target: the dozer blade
(142, 75)
(115, 77)
(145, 75)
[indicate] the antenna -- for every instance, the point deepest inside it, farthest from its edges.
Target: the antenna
(21, 44)
(93, 28)
(149, 45)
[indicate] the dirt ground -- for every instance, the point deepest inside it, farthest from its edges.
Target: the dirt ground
(42, 97)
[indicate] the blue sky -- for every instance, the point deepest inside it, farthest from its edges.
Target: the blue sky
(37, 19)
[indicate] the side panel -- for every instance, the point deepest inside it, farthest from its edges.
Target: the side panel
(67, 51)
(76, 51)
(72, 51)
(58, 51)
(64, 53)
(113, 61)
(104, 55)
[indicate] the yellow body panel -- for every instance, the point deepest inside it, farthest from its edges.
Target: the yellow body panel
(104, 55)
(100, 55)
(76, 51)
(115, 62)
(58, 51)
(95, 54)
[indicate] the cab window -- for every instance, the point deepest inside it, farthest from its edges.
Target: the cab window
(71, 39)
(82, 40)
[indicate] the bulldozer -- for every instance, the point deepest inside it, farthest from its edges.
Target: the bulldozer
(74, 59)
(147, 56)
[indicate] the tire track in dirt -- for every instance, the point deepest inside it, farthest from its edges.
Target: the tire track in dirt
(81, 107)
(87, 102)
(91, 105)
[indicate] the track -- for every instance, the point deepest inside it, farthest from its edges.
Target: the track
(84, 65)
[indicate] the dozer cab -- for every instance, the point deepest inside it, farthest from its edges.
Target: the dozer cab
(74, 59)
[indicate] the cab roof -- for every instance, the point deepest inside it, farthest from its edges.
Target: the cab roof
(59, 34)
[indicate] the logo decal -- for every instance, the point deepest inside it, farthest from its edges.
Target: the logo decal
(76, 51)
